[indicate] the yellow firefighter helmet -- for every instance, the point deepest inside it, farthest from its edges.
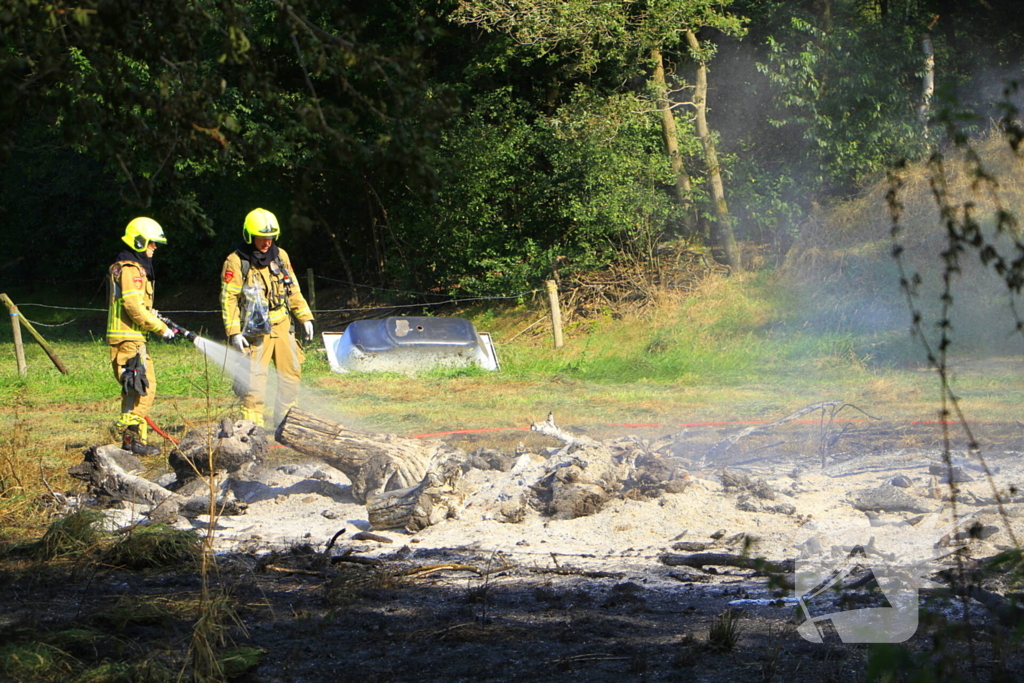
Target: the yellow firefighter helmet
(141, 231)
(260, 223)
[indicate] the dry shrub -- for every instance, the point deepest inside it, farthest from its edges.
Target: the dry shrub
(77, 532)
(842, 273)
(155, 546)
(862, 225)
(12, 470)
(725, 631)
(20, 516)
(630, 287)
(210, 661)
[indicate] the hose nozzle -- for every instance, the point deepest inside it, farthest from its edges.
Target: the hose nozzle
(178, 329)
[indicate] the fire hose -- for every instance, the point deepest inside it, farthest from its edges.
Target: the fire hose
(190, 336)
(159, 431)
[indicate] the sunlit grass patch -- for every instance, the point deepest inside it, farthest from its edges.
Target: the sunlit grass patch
(235, 662)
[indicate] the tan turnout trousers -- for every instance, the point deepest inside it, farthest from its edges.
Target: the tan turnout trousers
(134, 408)
(251, 382)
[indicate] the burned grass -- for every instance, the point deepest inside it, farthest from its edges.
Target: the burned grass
(86, 615)
(403, 619)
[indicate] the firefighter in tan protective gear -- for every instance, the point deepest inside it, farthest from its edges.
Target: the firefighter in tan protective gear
(259, 297)
(130, 316)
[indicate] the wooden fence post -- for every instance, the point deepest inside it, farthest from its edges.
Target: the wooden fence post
(18, 318)
(311, 286)
(19, 349)
(556, 312)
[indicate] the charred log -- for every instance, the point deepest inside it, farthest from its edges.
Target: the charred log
(113, 475)
(701, 560)
(374, 463)
(434, 499)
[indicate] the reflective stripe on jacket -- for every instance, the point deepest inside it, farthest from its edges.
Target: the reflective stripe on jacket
(232, 303)
(130, 304)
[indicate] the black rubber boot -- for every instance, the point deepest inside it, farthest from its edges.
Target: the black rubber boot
(133, 443)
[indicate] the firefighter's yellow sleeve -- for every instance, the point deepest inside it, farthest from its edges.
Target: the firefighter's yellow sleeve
(230, 294)
(133, 294)
(296, 302)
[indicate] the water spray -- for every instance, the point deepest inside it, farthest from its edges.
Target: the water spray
(237, 366)
(226, 358)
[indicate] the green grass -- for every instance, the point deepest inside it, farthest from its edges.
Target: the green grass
(34, 661)
(738, 350)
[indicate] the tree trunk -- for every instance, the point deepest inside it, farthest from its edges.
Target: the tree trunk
(823, 8)
(336, 243)
(671, 138)
(723, 221)
(928, 86)
(373, 462)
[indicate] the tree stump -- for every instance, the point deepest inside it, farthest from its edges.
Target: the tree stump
(227, 447)
(374, 463)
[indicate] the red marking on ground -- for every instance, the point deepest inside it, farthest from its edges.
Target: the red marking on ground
(472, 431)
(722, 423)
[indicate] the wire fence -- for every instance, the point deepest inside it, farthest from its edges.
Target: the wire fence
(449, 301)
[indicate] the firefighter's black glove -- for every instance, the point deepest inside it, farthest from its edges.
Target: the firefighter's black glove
(133, 376)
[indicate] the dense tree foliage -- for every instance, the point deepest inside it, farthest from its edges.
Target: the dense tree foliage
(439, 145)
(199, 111)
